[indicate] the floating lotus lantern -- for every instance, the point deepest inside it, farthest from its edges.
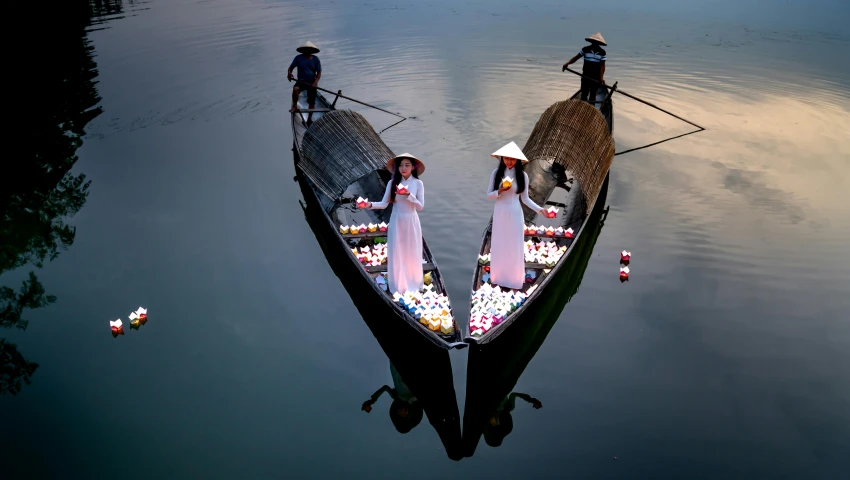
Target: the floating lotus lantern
(625, 256)
(117, 327)
(446, 326)
(507, 182)
(401, 189)
(382, 227)
(362, 202)
(134, 321)
(568, 233)
(372, 227)
(624, 273)
(551, 212)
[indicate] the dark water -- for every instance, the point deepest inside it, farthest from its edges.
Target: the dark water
(725, 356)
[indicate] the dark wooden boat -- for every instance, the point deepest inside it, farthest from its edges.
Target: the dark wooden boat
(425, 370)
(493, 370)
(570, 152)
(339, 158)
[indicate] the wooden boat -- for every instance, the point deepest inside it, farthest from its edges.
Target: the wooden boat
(426, 371)
(570, 152)
(493, 370)
(340, 158)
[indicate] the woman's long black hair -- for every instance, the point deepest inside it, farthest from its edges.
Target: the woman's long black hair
(520, 175)
(397, 176)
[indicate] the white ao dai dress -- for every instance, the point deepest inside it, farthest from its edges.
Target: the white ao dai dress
(507, 242)
(404, 237)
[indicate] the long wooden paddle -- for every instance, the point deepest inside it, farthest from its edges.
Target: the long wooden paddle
(618, 90)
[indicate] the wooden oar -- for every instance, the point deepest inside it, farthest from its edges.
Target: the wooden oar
(340, 95)
(618, 90)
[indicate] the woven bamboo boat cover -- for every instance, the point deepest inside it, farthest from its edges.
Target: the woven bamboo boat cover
(340, 148)
(575, 135)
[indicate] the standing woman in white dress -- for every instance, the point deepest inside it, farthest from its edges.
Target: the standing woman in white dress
(404, 233)
(507, 250)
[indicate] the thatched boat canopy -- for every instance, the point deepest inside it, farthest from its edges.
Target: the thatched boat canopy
(339, 149)
(574, 135)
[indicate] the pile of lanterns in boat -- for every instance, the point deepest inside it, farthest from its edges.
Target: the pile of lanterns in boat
(362, 228)
(491, 305)
(137, 319)
(547, 253)
(429, 307)
(371, 256)
(544, 231)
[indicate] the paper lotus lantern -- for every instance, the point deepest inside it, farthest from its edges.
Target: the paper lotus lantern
(507, 182)
(541, 230)
(382, 227)
(568, 233)
(117, 327)
(372, 227)
(550, 232)
(559, 232)
(362, 228)
(446, 327)
(362, 202)
(551, 212)
(625, 256)
(354, 229)
(401, 189)
(426, 279)
(624, 273)
(344, 229)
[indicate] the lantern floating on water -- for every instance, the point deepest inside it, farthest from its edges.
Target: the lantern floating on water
(551, 212)
(382, 227)
(568, 233)
(362, 202)
(402, 189)
(625, 256)
(624, 273)
(507, 182)
(117, 327)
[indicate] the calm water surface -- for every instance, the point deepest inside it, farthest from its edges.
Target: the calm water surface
(726, 355)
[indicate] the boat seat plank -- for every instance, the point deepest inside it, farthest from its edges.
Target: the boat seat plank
(365, 235)
(426, 267)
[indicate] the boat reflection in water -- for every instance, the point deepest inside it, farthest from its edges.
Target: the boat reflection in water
(494, 369)
(421, 373)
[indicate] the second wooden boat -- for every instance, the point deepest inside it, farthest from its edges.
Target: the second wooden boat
(570, 152)
(340, 157)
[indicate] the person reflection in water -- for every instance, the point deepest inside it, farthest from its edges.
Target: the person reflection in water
(501, 422)
(405, 411)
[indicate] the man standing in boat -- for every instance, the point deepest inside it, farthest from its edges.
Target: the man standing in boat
(309, 73)
(594, 66)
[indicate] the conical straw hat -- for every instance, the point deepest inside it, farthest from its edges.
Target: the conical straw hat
(308, 47)
(510, 150)
(596, 37)
(420, 167)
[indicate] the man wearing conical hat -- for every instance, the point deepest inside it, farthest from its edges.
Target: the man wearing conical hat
(594, 66)
(309, 72)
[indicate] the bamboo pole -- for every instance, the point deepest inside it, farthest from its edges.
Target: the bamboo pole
(340, 95)
(637, 99)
